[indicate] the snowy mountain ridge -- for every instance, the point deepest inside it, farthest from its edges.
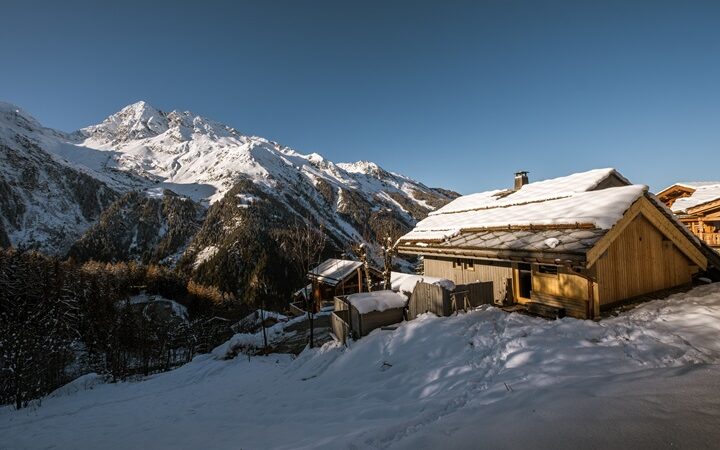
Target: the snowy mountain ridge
(142, 148)
(188, 150)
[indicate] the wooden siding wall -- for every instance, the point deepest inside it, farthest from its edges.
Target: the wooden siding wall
(641, 261)
(565, 284)
(428, 298)
(339, 325)
(562, 290)
(484, 270)
(362, 324)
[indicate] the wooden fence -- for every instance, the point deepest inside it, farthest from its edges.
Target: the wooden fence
(442, 302)
(340, 325)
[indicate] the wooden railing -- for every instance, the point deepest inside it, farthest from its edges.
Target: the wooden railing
(712, 239)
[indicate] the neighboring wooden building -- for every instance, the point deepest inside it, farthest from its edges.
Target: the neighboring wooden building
(697, 205)
(339, 277)
(580, 243)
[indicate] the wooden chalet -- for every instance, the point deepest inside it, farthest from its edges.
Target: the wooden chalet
(575, 245)
(697, 205)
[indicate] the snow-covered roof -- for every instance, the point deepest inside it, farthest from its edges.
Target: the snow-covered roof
(703, 193)
(333, 271)
(532, 192)
(405, 282)
(600, 209)
(377, 301)
(563, 216)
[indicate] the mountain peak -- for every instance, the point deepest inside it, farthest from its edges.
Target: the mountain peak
(365, 167)
(140, 108)
(138, 120)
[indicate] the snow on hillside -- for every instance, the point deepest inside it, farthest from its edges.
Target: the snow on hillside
(142, 148)
(45, 202)
(648, 378)
(203, 159)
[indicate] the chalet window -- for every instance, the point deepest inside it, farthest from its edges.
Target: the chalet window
(469, 264)
(457, 263)
(547, 269)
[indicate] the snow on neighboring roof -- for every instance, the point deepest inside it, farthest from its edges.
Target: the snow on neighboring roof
(692, 184)
(405, 282)
(377, 301)
(333, 271)
(532, 192)
(601, 209)
(703, 194)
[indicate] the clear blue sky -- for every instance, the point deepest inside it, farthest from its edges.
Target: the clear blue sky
(455, 94)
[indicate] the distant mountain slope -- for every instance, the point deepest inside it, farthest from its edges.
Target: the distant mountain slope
(148, 228)
(143, 149)
(45, 203)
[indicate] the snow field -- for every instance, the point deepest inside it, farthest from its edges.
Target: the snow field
(648, 378)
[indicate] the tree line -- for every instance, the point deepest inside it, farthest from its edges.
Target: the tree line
(60, 319)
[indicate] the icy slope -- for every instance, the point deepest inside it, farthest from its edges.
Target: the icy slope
(648, 378)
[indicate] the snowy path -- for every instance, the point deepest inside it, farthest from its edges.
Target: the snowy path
(649, 378)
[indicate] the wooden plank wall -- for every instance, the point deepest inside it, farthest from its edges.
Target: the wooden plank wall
(484, 270)
(339, 325)
(640, 261)
(376, 319)
(428, 298)
(565, 284)
(476, 294)
(574, 307)
(432, 298)
(562, 290)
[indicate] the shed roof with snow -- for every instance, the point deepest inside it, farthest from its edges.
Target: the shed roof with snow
(368, 302)
(334, 271)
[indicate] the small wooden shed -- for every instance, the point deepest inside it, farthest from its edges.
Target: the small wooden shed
(339, 277)
(358, 314)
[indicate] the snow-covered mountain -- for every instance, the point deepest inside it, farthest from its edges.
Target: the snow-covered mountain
(141, 148)
(44, 201)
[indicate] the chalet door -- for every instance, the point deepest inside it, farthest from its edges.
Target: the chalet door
(524, 280)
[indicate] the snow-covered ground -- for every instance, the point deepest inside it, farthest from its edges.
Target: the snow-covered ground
(649, 378)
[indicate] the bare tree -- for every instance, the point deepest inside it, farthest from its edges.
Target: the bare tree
(389, 251)
(304, 244)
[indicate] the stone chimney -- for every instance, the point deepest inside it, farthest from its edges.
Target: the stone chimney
(521, 179)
